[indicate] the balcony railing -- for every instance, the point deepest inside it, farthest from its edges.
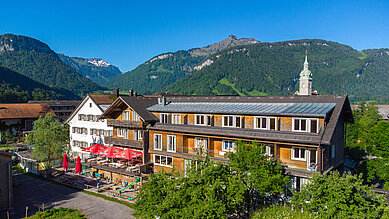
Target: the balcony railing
(123, 142)
(124, 123)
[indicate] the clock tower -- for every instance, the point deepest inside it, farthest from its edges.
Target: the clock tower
(305, 79)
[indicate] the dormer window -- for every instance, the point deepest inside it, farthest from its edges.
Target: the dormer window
(232, 121)
(205, 120)
(164, 118)
(305, 125)
(266, 123)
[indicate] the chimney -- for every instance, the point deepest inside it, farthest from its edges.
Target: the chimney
(115, 92)
(131, 93)
(135, 94)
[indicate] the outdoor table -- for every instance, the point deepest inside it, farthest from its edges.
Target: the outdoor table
(102, 161)
(116, 164)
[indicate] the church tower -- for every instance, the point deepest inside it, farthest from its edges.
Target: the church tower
(305, 79)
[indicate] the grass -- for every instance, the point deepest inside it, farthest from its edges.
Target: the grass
(226, 82)
(363, 55)
(59, 213)
(279, 211)
(256, 93)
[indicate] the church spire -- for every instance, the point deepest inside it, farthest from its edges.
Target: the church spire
(305, 78)
(306, 60)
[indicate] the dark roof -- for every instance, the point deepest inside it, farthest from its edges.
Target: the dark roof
(57, 102)
(137, 103)
(102, 99)
(24, 110)
(283, 109)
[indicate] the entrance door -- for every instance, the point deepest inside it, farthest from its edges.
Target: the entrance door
(311, 159)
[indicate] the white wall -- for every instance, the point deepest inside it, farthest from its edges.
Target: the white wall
(88, 107)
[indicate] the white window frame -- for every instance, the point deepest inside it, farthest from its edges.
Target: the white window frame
(176, 121)
(198, 140)
(174, 142)
(202, 115)
(160, 159)
(138, 135)
(162, 120)
(307, 125)
(299, 158)
(158, 145)
(268, 118)
(232, 145)
(135, 116)
(125, 133)
(126, 115)
(233, 121)
(120, 132)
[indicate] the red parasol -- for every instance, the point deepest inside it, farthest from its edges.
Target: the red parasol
(95, 149)
(128, 154)
(78, 165)
(109, 152)
(65, 162)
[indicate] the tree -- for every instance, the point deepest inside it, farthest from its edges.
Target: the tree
(48, 138)
(379, 139)
(335, 196)
(214, 189)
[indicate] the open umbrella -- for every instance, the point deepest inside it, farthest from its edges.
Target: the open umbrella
(109, 152)
(78, 165)
(95, 149)
(128, 154)
(65, 162)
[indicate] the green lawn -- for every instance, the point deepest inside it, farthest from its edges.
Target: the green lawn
(59, 213)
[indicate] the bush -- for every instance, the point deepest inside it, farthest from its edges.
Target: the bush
(59, 213)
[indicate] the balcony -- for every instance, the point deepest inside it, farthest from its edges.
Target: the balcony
(124, 123)
(124, 142)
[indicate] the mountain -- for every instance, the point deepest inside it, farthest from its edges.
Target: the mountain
(37, 61)
(97, 70)
(273, 69)
(17, 88)
(166, 68)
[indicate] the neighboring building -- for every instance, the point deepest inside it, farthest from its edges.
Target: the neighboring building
(18, 118)
(383, 110)
(61, 108)
(130, 121)
(305, 133)
(6, 193)
(86, 128)
(305, 86)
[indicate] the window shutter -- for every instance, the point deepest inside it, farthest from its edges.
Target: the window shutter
(169, 118)
(242, 125)
(186, 120)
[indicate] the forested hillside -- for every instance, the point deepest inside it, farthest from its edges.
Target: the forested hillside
(17, 88)
(37, 61)
(273, 69)
(167, 68)
(97, 70)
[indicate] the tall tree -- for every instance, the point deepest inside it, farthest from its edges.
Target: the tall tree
(48, 138)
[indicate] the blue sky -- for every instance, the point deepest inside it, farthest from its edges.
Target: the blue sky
(128, 33)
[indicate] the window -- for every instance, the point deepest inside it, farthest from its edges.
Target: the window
(200, 119)
(163, 118)
(332, 151)
(266, 123)
(120, 132)
(270, 150)
(135, 116)
(126, 115)
(108, 133)
(138, 135)
(176, 119)
(163, 160)
(125, 133)
(232, 121)
(171, 143)
(298, 153)
(305, 125)
(158, 142)
(228, 145)
(90, 117)
(201, 143)
(90, 105)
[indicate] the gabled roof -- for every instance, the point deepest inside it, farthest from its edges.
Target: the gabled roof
(101, 100)
(57, 102)
(139, 104)
(24, 110)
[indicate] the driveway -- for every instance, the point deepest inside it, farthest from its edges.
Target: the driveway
(35, 193)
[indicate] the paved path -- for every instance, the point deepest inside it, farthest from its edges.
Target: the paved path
(33, 192)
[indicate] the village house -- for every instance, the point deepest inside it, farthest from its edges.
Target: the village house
(18, 118)
(61, 108)
(85, 127)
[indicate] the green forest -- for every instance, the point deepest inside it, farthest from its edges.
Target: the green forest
(17, 88)
(273, 69)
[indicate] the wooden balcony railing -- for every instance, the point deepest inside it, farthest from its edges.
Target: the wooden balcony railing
(123, 142)
(124, 123)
